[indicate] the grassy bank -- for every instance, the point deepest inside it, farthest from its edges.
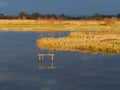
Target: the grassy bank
(56, 25)
(95, 42)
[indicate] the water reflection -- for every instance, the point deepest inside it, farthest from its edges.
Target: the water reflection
(42, 64)
(75, 70)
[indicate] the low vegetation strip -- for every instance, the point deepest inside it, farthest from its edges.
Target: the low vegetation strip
(57, 25)
(95, 42)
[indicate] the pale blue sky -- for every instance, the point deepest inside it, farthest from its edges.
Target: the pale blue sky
(69, 7)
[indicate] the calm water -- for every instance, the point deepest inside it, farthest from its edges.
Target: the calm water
(20, 67)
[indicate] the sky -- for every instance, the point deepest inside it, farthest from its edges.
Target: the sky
(68, 7)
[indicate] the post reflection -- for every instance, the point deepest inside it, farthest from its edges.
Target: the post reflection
(42, 64)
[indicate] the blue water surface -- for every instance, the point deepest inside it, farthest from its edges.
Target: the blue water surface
(19, 66)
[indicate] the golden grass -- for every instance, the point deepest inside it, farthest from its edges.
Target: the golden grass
(55, 25)
(95, 42)
(65, 22)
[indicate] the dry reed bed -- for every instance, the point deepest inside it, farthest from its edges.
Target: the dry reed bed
(65, 22)
(70, 22)
(95, 42)
(56, 25)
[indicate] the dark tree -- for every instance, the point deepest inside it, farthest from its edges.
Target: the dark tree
(2, 16)
(62, 17)
(97, 16)
(36, 16)
(52, 17)
(118, 15)
(22, 15)
(10, 17)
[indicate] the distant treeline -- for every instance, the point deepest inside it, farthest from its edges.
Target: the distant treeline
(38, 16)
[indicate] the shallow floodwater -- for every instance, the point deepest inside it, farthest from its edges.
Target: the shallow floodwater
(20, 67)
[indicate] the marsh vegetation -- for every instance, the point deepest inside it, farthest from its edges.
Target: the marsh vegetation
(57, 25)
(106, 42)
(51, 22)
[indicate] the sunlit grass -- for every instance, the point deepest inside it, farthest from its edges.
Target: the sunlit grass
(95, 42)
(56, 25)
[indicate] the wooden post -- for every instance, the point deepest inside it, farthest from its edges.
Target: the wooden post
(41, 59)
